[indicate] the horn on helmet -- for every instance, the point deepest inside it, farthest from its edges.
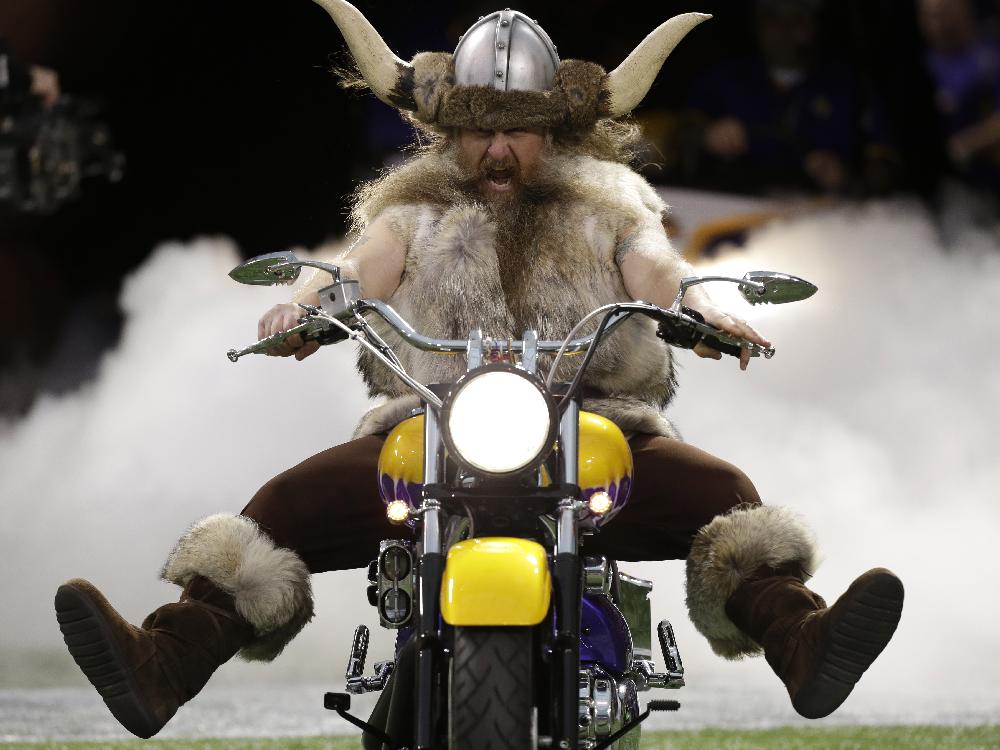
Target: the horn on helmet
(381, 69)
(629, 83)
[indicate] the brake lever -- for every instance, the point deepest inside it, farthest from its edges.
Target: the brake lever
(687, 328)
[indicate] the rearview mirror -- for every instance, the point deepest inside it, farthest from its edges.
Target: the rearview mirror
(778, 288)
(268, 269)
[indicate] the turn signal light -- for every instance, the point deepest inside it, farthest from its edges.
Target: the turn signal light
(397, 511)
(599, 503)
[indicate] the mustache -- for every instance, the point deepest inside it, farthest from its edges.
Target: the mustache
(489, 165)
(543, 185)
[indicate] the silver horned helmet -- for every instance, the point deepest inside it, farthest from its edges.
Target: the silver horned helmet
(507, 51)
(506, 73)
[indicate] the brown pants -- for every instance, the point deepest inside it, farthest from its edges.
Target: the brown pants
(328, 510)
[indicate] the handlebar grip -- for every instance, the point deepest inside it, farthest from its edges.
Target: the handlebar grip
(711, 341)
(714, 343)
(330, 336)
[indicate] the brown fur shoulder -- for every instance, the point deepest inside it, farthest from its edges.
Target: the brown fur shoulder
(428, 177)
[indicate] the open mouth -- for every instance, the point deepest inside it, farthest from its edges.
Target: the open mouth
(499, 179)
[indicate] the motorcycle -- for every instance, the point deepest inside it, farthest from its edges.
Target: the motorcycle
(507, 637)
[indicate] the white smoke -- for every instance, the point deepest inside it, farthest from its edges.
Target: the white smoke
(876, 420)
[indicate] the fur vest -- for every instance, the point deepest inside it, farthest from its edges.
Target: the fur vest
(566, 266)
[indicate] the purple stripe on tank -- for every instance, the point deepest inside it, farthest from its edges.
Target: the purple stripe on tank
(385, 486)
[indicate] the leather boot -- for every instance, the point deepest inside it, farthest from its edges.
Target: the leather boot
(144, 674)
(819, 652)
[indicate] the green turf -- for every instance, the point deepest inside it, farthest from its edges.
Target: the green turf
(840, 738)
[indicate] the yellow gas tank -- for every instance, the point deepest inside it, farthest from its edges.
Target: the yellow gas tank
(605, 462)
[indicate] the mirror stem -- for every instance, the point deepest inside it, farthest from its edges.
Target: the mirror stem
(328, 267)
(689, 281)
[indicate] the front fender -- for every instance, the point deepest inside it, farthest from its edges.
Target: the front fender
(496, 581)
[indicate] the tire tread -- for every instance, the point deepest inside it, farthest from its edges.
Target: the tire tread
(491, 689)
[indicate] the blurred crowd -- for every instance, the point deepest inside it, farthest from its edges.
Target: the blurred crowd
(789, 118)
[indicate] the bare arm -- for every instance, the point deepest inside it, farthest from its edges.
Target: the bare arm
(652, 271)
(376, 260)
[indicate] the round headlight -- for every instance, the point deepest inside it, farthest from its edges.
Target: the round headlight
(499, 420)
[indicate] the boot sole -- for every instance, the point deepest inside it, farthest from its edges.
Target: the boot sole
(862, 630)
(94, 649)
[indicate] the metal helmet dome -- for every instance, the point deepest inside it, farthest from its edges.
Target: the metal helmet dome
(506, 51)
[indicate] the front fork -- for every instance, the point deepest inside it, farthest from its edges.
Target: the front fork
(567, 578)
(566, 650)
(429, 575)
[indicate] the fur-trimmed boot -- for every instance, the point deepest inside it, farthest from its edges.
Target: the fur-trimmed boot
(746, 593)
(241, 594)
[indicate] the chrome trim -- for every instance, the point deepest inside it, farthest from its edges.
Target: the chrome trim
(405, 584)
(670, 649)
(632, 601)
(628, 709)
(474, 349)
(566, 537)
(606, 704)
(331, 269)
(454, 346)
(404, 329)
(431, 509)
(431, 536)
(339, 298)
(597, 575)
(359, 652)
(689, 281)
(569, 429)
(357, 683)
(432, 449)
(643, 673)
(383, 671)
(604, 694)
(779, 288)
(423, 391)
(365, 327)
(529, 352)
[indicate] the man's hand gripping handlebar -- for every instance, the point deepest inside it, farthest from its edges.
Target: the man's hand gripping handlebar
(312, 326)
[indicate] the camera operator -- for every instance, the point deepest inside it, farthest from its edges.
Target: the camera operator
(16, 80)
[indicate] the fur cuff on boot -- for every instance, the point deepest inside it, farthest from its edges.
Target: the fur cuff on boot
(726, 552)
(270, 585)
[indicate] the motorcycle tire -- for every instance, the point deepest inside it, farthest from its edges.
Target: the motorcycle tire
(490, 702)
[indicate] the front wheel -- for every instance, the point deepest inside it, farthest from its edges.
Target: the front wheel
(490, 704)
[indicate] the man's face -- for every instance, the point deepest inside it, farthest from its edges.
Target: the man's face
(501, 161)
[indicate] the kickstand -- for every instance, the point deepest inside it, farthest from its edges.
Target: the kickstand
(340, 702)
(650, 707)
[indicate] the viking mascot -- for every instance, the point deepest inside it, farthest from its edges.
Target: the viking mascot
(518, 211)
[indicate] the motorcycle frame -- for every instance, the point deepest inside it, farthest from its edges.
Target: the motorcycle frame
(566, 570)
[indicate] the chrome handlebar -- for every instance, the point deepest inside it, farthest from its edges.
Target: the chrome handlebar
(318, 324)
(458, 346)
